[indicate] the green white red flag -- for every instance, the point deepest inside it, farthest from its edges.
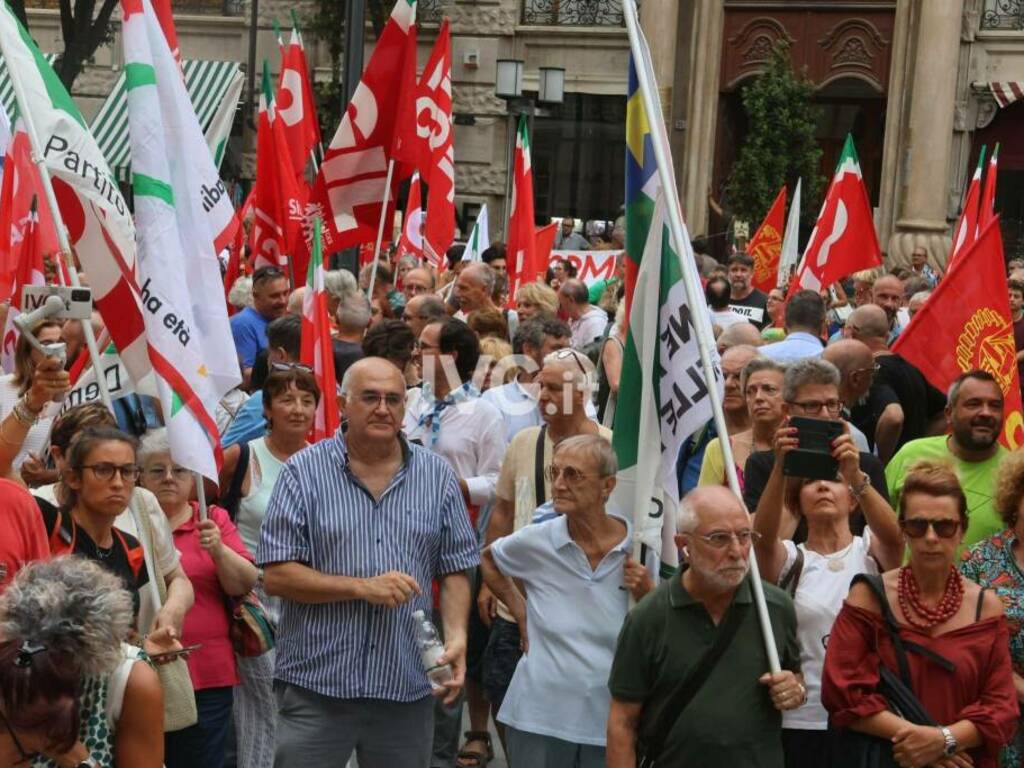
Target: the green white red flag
(966, 231)
(987, 209)
(522, 251)
(30, 272)
(317, 348)
(843, 240)
(479, 237)
(349, 190)
(186, 325)
(424, 139)
(279, 201)
(99, 223)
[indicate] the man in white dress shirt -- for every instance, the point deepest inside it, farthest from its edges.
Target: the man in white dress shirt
(586, 321)
(448, 416)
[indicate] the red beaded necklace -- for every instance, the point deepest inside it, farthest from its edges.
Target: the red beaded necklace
(919, 614)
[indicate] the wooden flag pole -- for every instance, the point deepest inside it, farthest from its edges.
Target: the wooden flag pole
(694, 298)
(380, 230)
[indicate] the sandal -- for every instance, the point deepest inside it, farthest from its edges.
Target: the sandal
(472, 758)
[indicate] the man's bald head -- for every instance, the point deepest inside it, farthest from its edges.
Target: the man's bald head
(737, 334)
(868, 323)
(375, 369)
(704, 504)
(848, 355)
(739, 356)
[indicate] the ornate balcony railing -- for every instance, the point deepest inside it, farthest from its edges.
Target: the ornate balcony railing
(430, 11)
(573, 13)
(1003, 14)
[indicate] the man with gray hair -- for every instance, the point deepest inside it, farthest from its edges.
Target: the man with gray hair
(708, 606)
(474, 288)
(587, 322)
(422, 310)
(737, 334)
(353, 316)
(810, 389)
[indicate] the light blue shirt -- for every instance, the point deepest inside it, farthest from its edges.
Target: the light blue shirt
(574, 614)
(519, 408)
(320, 514)
(796, 346)
(249, 422)
(249, 330)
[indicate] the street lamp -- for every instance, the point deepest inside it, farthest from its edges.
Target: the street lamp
(508, 85)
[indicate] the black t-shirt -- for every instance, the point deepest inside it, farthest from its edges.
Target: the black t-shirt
(122, 559)
(759, 467)
(865, 414)
(921, 402)
(345, 353)
(754, 307)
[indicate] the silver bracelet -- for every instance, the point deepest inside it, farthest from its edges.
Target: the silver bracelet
(24, 414)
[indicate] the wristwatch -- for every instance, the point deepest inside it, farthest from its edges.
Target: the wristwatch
(951, 744)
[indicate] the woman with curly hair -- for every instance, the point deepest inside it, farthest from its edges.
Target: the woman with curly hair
(997, 563)
(71, 691)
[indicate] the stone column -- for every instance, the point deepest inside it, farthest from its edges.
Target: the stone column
(659, 20)
(929, 132)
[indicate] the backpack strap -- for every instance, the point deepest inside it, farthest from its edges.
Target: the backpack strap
(136, 555)
(538, 468)
(792, 578)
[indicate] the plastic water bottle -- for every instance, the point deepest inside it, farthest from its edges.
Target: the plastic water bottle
(431, 650)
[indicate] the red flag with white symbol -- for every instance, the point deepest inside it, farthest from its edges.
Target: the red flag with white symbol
(424, 140)
(30, 271)
(524, 266)
(966, 231)
(411, 241)
(349, 189)
(296, 108)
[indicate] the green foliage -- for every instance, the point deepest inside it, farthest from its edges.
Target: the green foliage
(780, 145)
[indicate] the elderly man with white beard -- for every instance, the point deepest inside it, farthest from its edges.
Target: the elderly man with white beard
(690, 682)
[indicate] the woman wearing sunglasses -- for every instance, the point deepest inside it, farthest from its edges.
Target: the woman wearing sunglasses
(953, 637)
(998, 563)
(817, 572)
(71, 692)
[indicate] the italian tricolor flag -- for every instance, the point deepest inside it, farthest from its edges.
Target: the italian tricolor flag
(317, 347)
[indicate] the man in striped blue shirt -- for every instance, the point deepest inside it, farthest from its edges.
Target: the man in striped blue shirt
(357, 528)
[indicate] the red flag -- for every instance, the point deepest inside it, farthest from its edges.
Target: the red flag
(236, 265)
(411, 240)
(166, 18)
(317, 349)
(30, 271)
(524, 266)
(967, 225)
(543, 242)
(765, 247)
(21, 185)
(296, 108)
(279, 201)
(987, 209)
(350, 186)
(844, 239)
(424, 139)
(966, 325)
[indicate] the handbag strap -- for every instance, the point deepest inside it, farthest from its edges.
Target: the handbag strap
(538, 467)
(791, 580)
(234, 493)
(685, 692)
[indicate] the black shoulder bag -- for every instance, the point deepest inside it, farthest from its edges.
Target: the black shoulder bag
(648, 751)
(539, 495)
(859, 750)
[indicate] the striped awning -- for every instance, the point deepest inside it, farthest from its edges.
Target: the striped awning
(1007, 92)
(207, 81)
(7, 87)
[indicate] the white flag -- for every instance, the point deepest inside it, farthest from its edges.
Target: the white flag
(190, 342)
(479, 239)
(790, 241)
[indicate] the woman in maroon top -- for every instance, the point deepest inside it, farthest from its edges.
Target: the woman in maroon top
(974, 703)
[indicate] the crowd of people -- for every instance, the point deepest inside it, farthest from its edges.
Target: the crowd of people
(472, 481)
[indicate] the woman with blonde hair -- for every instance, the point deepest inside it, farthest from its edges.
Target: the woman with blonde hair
(997, 563)
(535, 299)
(495, 350)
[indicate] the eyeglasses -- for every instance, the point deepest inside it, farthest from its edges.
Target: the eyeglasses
(814, 407)
(418, 345)
(571, 475)
(25, 755)
(373, 399)
(722, 539)
(266, 273)
(872, 369)
(918, 527)
(105, 471)
(160, 472)
(291, 367)
(568, 352)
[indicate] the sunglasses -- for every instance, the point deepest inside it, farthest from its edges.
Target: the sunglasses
(918, 527)
(266, 273)
(291, 367)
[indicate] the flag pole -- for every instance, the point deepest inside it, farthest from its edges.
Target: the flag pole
(65, 248)
(380, 229)
(201, 496)
(694, 298)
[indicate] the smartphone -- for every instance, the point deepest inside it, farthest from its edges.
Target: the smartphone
(813, 459)
(175, 654)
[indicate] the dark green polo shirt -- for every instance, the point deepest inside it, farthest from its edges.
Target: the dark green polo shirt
(731, 722)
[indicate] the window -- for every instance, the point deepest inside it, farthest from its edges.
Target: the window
(580, 13)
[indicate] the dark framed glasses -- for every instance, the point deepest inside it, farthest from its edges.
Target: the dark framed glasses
(918, 527)
(106, 471)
